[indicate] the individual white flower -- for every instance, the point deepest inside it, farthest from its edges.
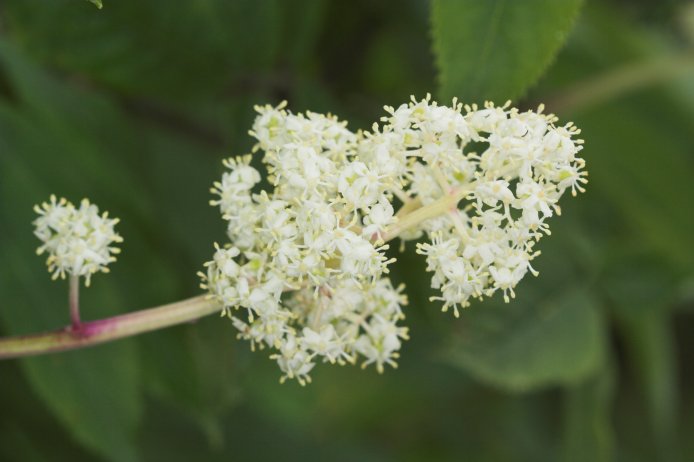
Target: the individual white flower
(294, 361)
(485, 120)
(378, 218)
(381, 342)
(78, 240)
(360, 186)
(491, 192)
(536, 196)
(263, 331)
(325, 343)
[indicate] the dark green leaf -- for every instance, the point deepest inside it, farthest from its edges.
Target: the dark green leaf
(496, 49)
(131, 46)
(524, 345)
(32, 433)
(641, 162)
(196, 370)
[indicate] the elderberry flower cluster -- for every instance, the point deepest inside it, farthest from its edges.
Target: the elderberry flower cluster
(305, 271)
(511, 168)
(79, 241)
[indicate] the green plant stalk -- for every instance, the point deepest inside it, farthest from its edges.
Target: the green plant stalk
(105, 330)
(74, 299)
(412, 219)
(619, 81)
(84, 334)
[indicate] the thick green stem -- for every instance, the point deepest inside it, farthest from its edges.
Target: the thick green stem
(410, 220)
(104, 330)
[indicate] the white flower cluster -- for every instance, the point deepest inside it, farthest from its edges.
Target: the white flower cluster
(79, 241)
(306, 260)
(306, 236)
(511, 186)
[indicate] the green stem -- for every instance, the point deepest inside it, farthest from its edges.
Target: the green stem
(619, 81)
(443, 205)
(105, 330)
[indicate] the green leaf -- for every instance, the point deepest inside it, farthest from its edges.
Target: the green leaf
(29, 432)
(496, 49)
(525, 345)
(202, 47)
(97, 3)
(638, 156)
(195, 369)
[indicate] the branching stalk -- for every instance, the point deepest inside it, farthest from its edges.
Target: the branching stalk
(84, 334)
(420, 215)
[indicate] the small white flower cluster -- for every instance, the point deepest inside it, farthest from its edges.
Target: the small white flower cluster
(306, 236)
(79, 241)
(306, 261)
(312, 235)
(512, 186)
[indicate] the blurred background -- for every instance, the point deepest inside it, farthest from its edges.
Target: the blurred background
(135, 105)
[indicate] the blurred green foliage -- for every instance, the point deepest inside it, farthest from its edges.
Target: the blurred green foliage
(136, 104)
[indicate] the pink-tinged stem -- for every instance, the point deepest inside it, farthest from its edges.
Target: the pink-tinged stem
(75, 302)
(105, 330)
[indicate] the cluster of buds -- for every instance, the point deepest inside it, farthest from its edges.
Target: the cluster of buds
(78, 240)
(305, 271)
